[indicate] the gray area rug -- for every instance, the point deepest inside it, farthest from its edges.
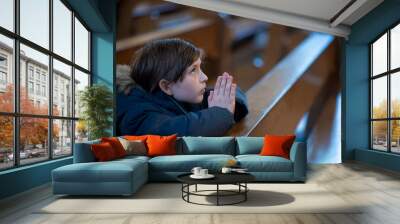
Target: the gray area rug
(166, 198)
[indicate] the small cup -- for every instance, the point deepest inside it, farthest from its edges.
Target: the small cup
(203, 172)
(196, 170)
(226, 170)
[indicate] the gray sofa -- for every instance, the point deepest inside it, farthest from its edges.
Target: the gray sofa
(126, 175)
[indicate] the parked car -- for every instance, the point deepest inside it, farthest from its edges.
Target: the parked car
(10, 156)
(57, 152)
(36, 153)
(22, 155)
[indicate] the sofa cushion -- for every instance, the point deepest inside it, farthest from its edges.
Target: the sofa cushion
(207, 145)
(277, 145)
(116, 145)
(185, 163)
(103, 152)
(257, 163)
(249, 145)
(132, 158)
(111, 171)
(161, 145)
(135, 137)
(134, 147)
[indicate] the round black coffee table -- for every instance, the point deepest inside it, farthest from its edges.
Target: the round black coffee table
(238, 179)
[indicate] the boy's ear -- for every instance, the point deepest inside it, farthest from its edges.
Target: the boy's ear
(165, 86)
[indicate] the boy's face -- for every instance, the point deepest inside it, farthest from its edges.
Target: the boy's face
(192, 87)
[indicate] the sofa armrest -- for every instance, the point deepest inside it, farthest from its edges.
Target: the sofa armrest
(83, 152)
(298, 155)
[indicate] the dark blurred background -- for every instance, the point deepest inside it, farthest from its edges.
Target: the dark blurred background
(245, 48)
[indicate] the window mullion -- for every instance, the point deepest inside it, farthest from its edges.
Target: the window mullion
(16, 69)
(371, 99)
(389, 112)
(50, 81)
(73, 83)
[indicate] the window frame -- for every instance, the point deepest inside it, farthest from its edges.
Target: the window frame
(16, 115)
(388, 74)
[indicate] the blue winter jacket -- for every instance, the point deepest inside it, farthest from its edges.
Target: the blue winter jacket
(141, 113)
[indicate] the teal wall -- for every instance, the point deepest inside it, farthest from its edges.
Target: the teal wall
(24, 178)
(380, 159)
(103, 52)
(100, 16)
(356, 85)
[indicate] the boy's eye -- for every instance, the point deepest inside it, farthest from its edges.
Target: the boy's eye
(194, 69)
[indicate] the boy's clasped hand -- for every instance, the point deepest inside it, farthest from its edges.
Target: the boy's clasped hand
(224, 93)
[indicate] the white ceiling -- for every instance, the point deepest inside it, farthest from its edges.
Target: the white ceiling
(313, 15)
(320, 9)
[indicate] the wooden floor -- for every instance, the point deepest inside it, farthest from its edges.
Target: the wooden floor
(378, 188)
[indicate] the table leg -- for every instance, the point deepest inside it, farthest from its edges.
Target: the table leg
(188, 190)
(182, 189)
(245, 193)
(217, 194)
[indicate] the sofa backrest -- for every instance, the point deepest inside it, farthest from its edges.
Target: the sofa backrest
(191, 146)
(206, 145)
(249, 145)
(83, 152)
(184, 145)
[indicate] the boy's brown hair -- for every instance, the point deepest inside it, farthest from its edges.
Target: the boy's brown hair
(163, 59)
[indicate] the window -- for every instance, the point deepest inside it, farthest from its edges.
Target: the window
(34, 22)
(30, 72)
(38, 89)
(37, 74)
(30, 87)
(41, 68)
(385, 94)
(43, 90)
(81, 45)
(3, 61)
(3, 71)
(81, 81)
(43, 77)
(62, 75)
(7, 90)
(7, 143)
(3, 78)
(63, 140)
(7, 14)
(62, 30)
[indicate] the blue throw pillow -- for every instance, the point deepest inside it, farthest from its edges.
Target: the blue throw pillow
(208, 145)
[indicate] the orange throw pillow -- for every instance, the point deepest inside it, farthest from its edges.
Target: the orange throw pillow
(135, 137)
(277, 145)
(116, 145)
(161, 145)
(103, 151)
